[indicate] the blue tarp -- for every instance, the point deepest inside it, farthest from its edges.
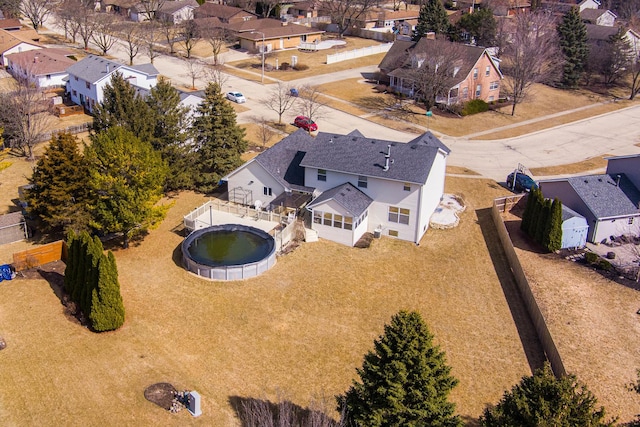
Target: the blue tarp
(6, 273)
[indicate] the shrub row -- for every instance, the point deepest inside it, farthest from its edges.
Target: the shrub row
(542, 220)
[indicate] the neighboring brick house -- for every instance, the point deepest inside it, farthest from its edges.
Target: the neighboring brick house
(226, 14)
(477, 74)
(598, 17)
(89, 76)
(283, 36)
(42, 67)
(352, 184)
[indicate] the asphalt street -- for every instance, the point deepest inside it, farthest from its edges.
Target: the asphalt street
(616, 133)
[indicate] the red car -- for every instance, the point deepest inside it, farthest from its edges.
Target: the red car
(305, 123)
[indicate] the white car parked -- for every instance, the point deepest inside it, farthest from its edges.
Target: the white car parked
(236, 97)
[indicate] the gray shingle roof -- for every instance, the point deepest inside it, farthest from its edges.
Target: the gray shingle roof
(604, 198)
(282, 160)
(568, 213)
(147, 68)
(354, 201)
(600, 32)
(357, 155)
(93, 68)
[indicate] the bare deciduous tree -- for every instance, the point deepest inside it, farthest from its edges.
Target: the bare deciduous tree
(195, 69)
(25, 113)
(345, 13)
(532, 56)
(434, 71)
(190, 36)
(130, 37)
(85, 19)
(264, 131)
(151, 36)
(151, 8)
(634, 70)
(216, 37)
(169, 32)
(102, 35)
(268, 7)
(311, 102)
(216, 74)
(65, 15)
(37, 11)
(280, 100)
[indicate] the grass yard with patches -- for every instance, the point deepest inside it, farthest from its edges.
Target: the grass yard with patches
(298, 331)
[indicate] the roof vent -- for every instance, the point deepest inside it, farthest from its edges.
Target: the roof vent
(386, 158)
(586, 181)
(617, 180)
(599, 179)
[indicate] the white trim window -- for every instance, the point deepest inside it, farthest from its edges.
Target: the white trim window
(399, 215)
(267, 191)
(362, 181)
(493, 85)
(322, 174)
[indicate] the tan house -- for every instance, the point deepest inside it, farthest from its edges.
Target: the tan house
(474, 72)
(15, 42)
(284, 36)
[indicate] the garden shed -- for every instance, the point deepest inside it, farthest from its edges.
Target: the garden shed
(574, 229)
(12, 228)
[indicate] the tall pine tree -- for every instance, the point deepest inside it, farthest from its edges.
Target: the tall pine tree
(572, 34)
(404, 381)
(169, 120)
(543, 220)
(432, 18)
(219, 141)
(553, 233)
(59, 194)
(544, 400)
(122, 106)
(126, 175)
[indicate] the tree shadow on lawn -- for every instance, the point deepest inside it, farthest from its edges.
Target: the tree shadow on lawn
(256, 412)
(528, 337)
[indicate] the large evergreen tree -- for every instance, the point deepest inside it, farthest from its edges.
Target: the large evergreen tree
(107, 309)
(219, 141)
(552, 239)
(404, 381)
(169, 120)
(542, 400)
(432, 18)
(481, 25)
(126, 175)
(122, 106)
(59, 194)
(572, 34)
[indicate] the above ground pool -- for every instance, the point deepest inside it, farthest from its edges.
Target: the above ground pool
(228, 252)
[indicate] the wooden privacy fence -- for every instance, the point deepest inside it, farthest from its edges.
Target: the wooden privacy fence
(40, 255)
(548, 345)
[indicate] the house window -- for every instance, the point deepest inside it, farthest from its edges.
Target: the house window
(406, 187)
(348, 223)
(493, 85)
(317, 217)
(267, 191)
(630, 221)
(48, 76)
(393, 233)
(75, 93)
(303, 38)
(337, 221)
(398, 215)
(487, 71)
(465, 92)
(75, 78)
(87, 84)
(322, 175)
(362, 181)
(327, 218)
(478, 90)
(491, 98)
(475, 73)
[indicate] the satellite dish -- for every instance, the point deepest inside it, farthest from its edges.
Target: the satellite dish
(258, 204)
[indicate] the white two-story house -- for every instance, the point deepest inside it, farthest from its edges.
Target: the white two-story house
(353, 184)
(88, 77)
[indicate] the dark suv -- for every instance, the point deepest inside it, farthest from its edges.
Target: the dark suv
(523, 182)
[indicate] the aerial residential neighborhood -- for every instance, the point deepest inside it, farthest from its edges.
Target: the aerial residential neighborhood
(320, 213)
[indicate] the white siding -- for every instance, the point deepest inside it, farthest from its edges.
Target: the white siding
(329, 232)
(254, 177)
(432, 193)
(22, 47)
(616, 227)
(54, 80)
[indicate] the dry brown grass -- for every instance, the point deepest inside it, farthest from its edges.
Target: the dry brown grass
(583, 166)
(543, 101)
(302, 328)
(460, 170)
(594, 324)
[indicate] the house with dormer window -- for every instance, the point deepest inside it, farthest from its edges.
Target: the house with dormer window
(474, 74)
(350, 184)
(88, 77)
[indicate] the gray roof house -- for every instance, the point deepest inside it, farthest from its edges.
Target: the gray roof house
(351, 184)
(88, 77)
(610, 202)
